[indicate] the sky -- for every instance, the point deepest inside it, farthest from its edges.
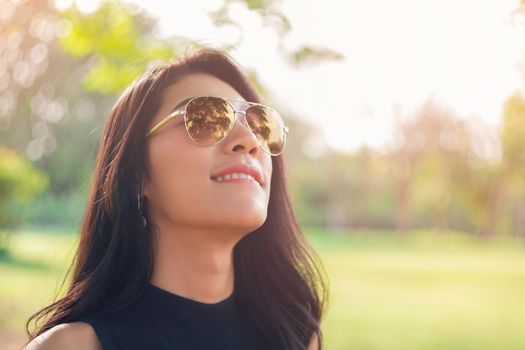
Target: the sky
(464, 54)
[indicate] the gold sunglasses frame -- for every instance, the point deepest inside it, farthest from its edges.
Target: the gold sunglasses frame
(181, 111)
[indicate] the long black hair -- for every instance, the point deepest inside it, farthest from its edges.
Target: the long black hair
(279, 279)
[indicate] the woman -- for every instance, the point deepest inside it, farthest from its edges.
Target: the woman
(189, 240)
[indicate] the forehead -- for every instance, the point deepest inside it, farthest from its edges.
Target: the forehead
(198, 84)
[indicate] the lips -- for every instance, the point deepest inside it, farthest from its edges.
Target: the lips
(242, 168)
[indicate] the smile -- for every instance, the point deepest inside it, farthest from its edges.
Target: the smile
(236, 178)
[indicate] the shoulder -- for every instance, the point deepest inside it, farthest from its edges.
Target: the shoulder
(314, 343)
(67, 336)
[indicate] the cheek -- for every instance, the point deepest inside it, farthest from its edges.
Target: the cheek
(178, 173)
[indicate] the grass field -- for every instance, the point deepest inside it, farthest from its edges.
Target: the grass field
(426, 291)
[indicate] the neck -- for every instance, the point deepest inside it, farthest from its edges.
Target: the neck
(192, 264)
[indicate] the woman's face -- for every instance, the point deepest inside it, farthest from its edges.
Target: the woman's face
(180, 191)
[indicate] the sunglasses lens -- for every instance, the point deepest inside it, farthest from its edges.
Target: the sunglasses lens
(209, 119)
(268, 126)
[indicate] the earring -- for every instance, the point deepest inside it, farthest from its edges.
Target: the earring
(139, 207)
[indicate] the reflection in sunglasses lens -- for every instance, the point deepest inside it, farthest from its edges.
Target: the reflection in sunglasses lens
(267, 126)
(209, 119)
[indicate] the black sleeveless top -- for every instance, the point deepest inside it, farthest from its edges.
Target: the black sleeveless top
(161, 320)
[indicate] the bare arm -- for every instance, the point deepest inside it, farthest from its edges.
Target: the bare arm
(67, 336)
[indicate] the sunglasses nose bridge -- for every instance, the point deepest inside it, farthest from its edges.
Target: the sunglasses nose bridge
(243, 119)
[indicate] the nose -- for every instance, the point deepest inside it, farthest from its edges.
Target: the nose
(242, 137)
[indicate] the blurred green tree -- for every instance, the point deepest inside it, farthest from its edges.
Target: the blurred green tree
(118, 42)
(432, 166)
(271, 15)
(513, 161)
(20, 182)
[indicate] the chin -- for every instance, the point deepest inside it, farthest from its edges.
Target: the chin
(250, 222)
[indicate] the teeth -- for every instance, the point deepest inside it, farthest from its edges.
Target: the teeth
(234, 176)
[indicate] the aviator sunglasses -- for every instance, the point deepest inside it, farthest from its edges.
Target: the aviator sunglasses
(209, 120)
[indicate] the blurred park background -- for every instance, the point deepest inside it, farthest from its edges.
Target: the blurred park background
(405, 159)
